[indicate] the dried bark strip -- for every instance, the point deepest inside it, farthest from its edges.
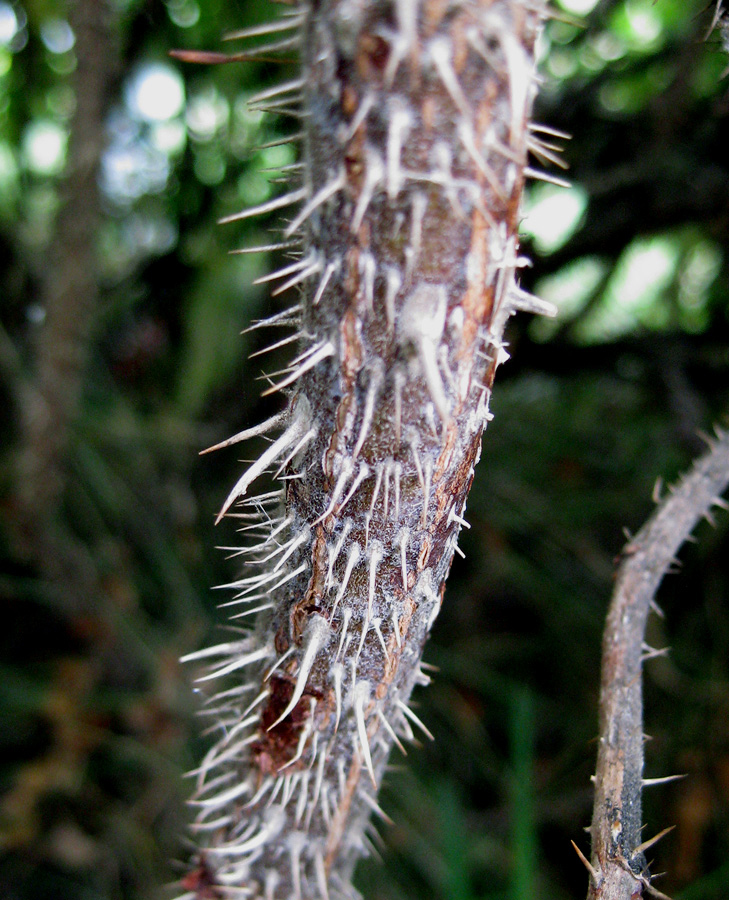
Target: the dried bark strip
(618, 868)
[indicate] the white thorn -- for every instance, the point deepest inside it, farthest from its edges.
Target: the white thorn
(394, 283)
(326, 350)
(352, 559)
(386, 494)
(373, 388)
(368, 267)
(427, 353)
(413, 718)
(289, 437)
(321, 196)
(321, 875)
(265, 248)
(231, 753)
(374, 174)
(217, 650)
(362, 637)
(520, 79)
(251, 706)
(391, 732)
(220, 800)
(529, 172)
(289, 139)
(376, 555)
(303, 796)
(325, 808)
(292, 547)
(296, 843)
(375, 807)
(376, 489)
(270, 206)
(239, 663)
(287, 317)
(526, 302)
(423, 321)
(649, 782)
(546, 152)
(345, 625)
(319, 777)
(306, 439)
(552, 132)
(337, 673)
(335, 551)
(275, 27)
(285, 271)
(396, 628)
(328, 272)
(378, 631)
(277, 785)
(344, 476)
(304, 355)
(281, 659)
(454, 517)
(264, 427)
(302, 568)
(404, 537)
(426, 492)
(276, 346)
(419, 206)
(361, 699)
(365, 106)
(341, 778)
(399, 379)
(303, 738)
(290, 780)
(364, 471)
(440, 54)
(254, 582)
(310, 270)
(399, 125)
(197, 827)
(465, 133)
(317, 636)
(272, 879)
(286, 87)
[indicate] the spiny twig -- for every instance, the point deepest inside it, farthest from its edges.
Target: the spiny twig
(618, 868)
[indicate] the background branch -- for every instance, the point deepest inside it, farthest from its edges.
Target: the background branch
(69, 292)
(618, 869)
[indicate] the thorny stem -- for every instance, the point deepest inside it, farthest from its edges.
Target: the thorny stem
(618, 868)
(416, 135)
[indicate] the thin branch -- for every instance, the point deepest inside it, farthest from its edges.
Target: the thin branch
(50, 396)
(69, 293)
(618, 869)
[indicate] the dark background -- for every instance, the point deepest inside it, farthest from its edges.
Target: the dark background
(106, 567)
